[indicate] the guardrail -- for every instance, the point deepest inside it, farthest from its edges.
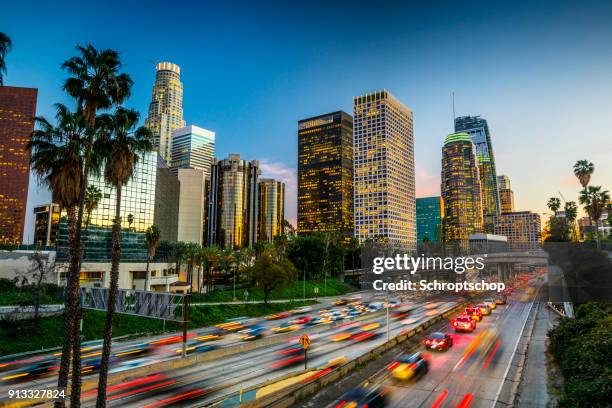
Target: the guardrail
(289, 396)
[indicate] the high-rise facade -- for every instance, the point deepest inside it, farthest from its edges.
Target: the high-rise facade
(478, 129)
(17, 111)
(271, 209)
(231, 219)
(429, 213)
(522, 228)
(192, 207)
(46, 224)
(384, 170)
(461, 189)
(193, 148)
(506, 195)
(167, 195)
(325, 174)
(166, 108)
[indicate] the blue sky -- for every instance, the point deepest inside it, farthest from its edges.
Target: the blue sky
(539, 72)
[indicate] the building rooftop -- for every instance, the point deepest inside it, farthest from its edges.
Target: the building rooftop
(457, 137)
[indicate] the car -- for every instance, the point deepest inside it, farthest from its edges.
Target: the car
(363, 397)
(484, 309)
(438, 341)
(500, 300)
(341, 302)
(277, 316)
(39, 369)
(491, 303)
(286, 327)
(302, 320)
(317, 320)
(344, 334)
(409, 367)
(374, 306)
(288, 356)
(302, 310)
(252, 332)
(365, 332)
(464, 323)
(474, 312)
(401, 312)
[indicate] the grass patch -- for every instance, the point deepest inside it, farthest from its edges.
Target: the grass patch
(334, 287)
(22, 335)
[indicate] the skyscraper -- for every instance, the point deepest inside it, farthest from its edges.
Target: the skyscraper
(384, 169)
(46, 224)
(17, 111)
(232, 203)
(461, 189)
(192, 205)
(506, 195)
(429, 212)
(522, 228)
(166, 108)
(271, 208)
(325, 174)
(478, 129)
(192, 148)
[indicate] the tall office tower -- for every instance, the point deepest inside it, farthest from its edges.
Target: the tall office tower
(17, 111)
(325, 174)
(192, 148)
(137, 214)
(506, 195)
(191, 205)
(461, 190)
(232, 203)
(271, 208)
(384, 169)
(523, 229)
(429, 213)
(167, 197)
(478, 129)
(166, 108)
(46, 224)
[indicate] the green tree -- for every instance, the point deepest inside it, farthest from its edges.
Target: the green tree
(594, 200)
(583, 170)
(153, 236)
(5, 47)
(554, 204)
(93, 195)
(95, 82)
(130, 220)
(571, 213)
(210, 260)
(269, 274)
(123, 144)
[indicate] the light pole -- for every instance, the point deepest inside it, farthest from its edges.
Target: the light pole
(387, 306)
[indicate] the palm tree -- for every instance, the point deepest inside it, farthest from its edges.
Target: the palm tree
(571, 213)
(210, 258)
(57, 153)
(5, 46)
(153, 235)
(130, 220)
(583, 170)
(594, 200)
(95, 83)
(93, 195)
(554, 204)
(123, 145)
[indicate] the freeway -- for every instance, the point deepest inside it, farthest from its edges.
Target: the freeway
(198, 384)
(472, 371)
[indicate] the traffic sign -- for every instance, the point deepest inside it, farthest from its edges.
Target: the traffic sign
(305, 341)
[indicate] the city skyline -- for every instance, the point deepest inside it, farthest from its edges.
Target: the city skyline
(536, 91)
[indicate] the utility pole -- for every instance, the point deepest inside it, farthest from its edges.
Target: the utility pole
(387, 305)
(185, 322)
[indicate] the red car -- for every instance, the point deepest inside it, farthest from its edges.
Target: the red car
(464, 323)
(302, 320)
(438, 341)
(474, 313)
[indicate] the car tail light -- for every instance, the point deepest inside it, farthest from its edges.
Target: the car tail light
(442, 343)
(393, 366)
(341, 404)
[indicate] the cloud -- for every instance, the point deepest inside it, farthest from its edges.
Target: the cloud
(288, 175)
(427, 184)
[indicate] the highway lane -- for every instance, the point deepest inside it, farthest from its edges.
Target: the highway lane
(460, 378)
(205, 382)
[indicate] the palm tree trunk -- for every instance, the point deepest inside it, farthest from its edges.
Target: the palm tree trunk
(75, 393)
(146, 285)
(112, 297)
(69, 317)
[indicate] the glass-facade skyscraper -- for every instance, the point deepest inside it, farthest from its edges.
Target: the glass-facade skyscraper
(166, 108)
(429, 212)
(384, 170)
(46, 224)
(193, 148)
(271, 208)
(325, 174)
(232, 203)
(461, 189)
(478, 129)
(17, 111)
